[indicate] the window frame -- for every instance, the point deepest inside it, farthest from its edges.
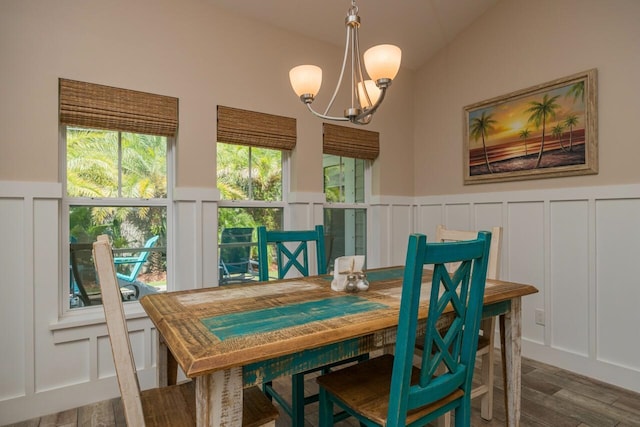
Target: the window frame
(368, 165)
(67, 202)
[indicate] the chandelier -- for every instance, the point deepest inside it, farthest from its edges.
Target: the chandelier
(382, 63)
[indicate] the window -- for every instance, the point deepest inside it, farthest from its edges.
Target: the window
(250, 183)
(348, 153)
(252, 156)
(345, 215)
(116, 147)
(116, 185)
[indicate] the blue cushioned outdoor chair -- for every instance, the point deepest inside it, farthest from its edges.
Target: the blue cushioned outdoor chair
(136, 263)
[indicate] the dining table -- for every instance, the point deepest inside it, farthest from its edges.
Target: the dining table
(231, 337)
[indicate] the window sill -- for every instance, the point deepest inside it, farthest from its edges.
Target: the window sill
(91, 316)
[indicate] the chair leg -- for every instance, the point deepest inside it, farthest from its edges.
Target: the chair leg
(325, 411)
(297, 400)
(444, 420)
(488, 359)
(463, 413)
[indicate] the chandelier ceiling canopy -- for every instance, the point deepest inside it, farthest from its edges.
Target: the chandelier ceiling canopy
(382, 63)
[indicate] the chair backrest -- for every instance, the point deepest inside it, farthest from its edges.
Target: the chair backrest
(139, 261)
(118, 333)
(462, 292)
(493, 268)
(236, 257)
(291, 250)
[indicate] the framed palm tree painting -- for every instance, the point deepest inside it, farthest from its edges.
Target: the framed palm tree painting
(549, 130)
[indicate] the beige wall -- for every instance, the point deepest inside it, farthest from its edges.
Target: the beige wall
(187, 49)
(522, 43)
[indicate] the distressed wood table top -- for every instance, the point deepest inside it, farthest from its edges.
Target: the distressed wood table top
(214, 329)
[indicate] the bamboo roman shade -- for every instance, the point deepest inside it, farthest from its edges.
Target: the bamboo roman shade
(244, 127)
(105, 107)
(349, 142)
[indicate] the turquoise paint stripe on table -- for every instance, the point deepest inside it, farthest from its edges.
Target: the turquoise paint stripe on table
(276, 318)
(376, 276)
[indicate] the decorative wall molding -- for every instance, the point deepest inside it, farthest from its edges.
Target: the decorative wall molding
(30, 190)
(379, 200)
(196, 194)
(302, 197)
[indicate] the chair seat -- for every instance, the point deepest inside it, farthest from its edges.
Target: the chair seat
(170, 406)
(257, 409)
(365, 389)
(175, 406)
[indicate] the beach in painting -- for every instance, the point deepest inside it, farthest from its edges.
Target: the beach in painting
(512, 156)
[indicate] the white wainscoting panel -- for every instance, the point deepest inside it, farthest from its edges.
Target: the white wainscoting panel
(618, 282)
(14, 309)
(377, 232)
(458, 216)
(105, 367)
(569, 276)
(428, 217)
(526, 259)
(488, 215)
(50, 362)
(402, 227)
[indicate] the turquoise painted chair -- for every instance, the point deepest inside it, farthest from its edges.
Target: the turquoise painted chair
(137, 261)
(291, 250)
(388, 390)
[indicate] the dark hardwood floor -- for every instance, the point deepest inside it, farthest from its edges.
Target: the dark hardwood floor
(550, 397)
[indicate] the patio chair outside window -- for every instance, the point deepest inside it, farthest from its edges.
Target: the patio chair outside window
(136, 261)
(235, 255)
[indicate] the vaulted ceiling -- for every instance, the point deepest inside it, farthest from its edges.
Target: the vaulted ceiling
(419, 27)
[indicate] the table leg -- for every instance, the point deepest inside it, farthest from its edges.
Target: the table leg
(167, 365)
(511, 333)
(219, 398)
(161, 362)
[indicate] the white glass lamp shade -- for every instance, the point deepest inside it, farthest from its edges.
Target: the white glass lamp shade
(372, 90)
(306, 79)
(382, 61)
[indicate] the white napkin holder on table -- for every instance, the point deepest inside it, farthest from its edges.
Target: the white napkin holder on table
(343, 267)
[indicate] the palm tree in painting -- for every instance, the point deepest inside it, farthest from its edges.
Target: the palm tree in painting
(576, 91)
(524, 134)
(571, 121)
(479, 128)
(557, 133)
(540, 112)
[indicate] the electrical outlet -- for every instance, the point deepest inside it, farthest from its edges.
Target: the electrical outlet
(539, 316)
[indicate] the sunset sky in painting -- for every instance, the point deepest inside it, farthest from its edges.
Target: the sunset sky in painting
(511, 118)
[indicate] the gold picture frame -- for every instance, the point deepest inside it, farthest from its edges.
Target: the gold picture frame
(545, 131)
